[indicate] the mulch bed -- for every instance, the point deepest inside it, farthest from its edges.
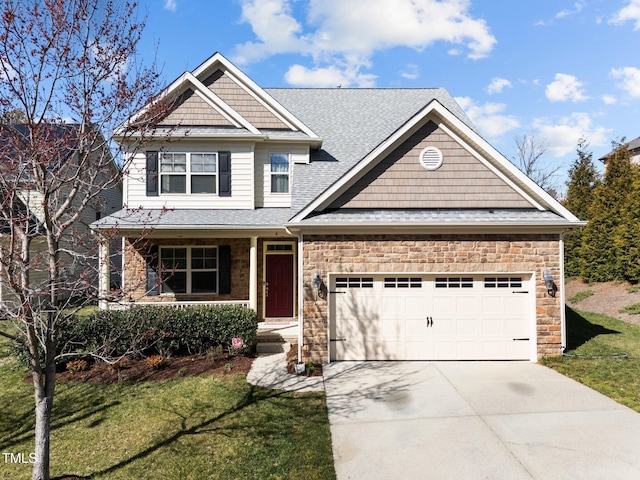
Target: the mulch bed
(136, 370)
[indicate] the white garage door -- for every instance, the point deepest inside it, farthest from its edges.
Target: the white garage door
(431, 317)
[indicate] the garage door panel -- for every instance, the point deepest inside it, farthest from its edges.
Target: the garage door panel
(432, 318)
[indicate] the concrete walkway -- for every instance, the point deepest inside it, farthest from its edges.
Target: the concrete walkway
(270, 371)
(475, 420)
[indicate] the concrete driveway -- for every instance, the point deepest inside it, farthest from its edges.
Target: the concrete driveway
(475, 420)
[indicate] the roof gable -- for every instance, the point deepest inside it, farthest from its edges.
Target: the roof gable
(400, 181)
(465, 137)
(217, 94)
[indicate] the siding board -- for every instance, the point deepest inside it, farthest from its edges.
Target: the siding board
(243, 103)
(398, 181)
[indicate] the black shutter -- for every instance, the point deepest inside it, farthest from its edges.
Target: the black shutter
(224, 269)
(224, 174)
(152, 174)
(153, 276)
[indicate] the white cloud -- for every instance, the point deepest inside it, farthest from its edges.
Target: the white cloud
(331, 76)
(497, 85)
(578, 6)
(410, 71)
(365, 26)
(562, 138)
(274, 26)
(488, 117)
(565, 87)
(609, 99)
(170, 5)
(629, 79)
(7, 72)
(629, 13)
(347, 33)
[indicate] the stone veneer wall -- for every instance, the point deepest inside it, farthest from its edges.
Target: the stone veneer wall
(431, 254)
(135, 269)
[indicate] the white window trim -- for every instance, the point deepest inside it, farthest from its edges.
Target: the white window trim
(189, 270)
(287, 173)
(188, 173)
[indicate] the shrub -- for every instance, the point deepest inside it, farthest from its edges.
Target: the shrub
(78, 365)
(159, 330)
(155, 361)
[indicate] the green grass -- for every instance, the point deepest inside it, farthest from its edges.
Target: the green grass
(211, 426)
(631, 309)
(598, 339)
(578, 297)
(633, 288)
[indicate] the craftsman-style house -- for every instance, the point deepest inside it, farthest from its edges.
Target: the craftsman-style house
(379, 219)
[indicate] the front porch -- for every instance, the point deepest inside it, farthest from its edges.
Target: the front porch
(257, 272)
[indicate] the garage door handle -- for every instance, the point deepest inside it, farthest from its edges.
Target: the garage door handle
(337, 339)
(520, 339)
(520, 291)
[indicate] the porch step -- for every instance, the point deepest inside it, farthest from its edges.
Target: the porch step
(272, 332)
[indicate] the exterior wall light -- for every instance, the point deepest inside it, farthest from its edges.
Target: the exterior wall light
(551, 286)
(319, 286)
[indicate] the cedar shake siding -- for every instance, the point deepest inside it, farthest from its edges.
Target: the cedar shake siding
(475, 254)
(242, 102)
(399, 181)
(191, 110)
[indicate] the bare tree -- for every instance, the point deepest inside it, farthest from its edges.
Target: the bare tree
(528, 158)
(69, 75)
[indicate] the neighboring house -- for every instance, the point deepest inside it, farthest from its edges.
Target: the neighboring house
(79, 256)
(634, 152)
(378, 218)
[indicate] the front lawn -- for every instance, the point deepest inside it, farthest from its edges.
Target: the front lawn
(595, 342)
(210, 426)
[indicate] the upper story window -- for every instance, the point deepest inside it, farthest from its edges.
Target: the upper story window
(279, 172)
(188, 172)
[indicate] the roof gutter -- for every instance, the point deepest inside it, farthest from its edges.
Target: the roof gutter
(419, 227)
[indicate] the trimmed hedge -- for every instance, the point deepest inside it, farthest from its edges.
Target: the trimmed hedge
(158, 330)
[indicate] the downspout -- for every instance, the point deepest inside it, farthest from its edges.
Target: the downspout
(299, 253)
(563, 319)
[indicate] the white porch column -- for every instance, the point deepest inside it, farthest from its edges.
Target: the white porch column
(104, 280)
(253, 274)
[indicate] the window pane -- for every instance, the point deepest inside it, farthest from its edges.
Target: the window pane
(279, 183)
(174, 258)
(173, 184)
(203, 162)
(279, 162)
(174, 282)
(203, 258)
(204, 282)
(203, 184)
(173, 162)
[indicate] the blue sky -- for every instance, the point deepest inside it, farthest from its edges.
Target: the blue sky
(555, 69)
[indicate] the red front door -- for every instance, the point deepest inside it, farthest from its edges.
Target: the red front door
(279, 287)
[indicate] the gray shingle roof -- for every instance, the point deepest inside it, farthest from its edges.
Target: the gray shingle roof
(195, 218)
(351, 123)
(435, 217)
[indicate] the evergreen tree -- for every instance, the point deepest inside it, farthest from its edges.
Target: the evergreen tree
(627, 232)
(582, 182)
(605, 240)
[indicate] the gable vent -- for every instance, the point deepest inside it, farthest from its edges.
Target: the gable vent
(431, 158)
